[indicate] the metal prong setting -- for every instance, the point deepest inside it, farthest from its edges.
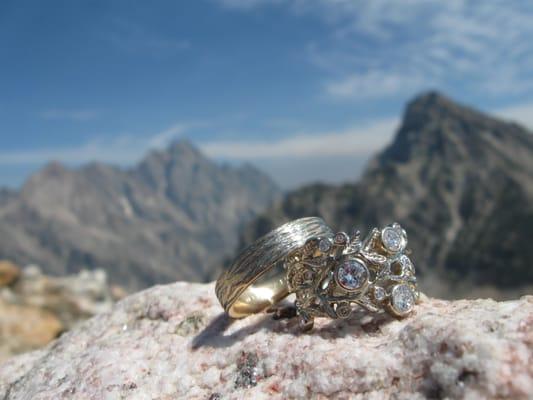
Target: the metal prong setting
(333, 276)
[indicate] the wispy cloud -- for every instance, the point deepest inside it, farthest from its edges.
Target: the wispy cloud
(374, 84)
(382, 47)
(67, 114)
(120, 149)
(361, 140)
(164, 137)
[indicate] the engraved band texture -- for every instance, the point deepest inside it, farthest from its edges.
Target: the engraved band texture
(240, 290)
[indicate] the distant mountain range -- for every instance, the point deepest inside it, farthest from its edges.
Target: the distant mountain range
(174, 216)
(460, 181)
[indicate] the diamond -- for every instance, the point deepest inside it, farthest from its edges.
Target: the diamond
(351, 274)
(324, 245)
(402, 299)
(379, 293)
(392, 239)
(407, 265)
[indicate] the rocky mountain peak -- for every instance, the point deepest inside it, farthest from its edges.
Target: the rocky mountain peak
(184, 149)
(183, 146)
(435, 126)
(431, 102)
(53, 169)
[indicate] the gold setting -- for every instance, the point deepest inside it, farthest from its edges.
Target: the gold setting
(380, 275)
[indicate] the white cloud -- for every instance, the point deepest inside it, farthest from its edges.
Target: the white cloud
(66, 114)
(483, 47)
(521, 113)
(293, 160)
(362, 140)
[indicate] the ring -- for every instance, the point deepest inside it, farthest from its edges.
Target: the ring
(332, 276)
(256, 280)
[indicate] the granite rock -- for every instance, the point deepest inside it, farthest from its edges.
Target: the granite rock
(24, 328)
(9, 273)
(35, 308)
(172, 342)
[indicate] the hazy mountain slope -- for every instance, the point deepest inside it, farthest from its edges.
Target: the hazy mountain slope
(461, 182)
(175, 207)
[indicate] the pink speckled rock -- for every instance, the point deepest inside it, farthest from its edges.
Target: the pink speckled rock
(172, 342)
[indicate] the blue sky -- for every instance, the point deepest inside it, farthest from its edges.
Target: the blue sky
(305, 89)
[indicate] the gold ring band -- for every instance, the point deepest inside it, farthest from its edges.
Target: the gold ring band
(256, 280)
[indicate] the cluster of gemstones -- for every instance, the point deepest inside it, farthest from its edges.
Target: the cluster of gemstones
(332, 275)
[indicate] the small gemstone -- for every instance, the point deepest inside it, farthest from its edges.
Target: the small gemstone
(379, 293)
(324, 245)
(407, 264)
(343, 310)
(402, 300)
(341, 238)
(308, 275)
(352, 274)
(356, 234)
(392, 239)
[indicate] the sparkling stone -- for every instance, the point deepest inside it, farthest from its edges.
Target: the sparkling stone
(324, 245)
(407, 264)
(392, 239)
(379, 293)
(402, 299)
(341, 238)
(352, 274)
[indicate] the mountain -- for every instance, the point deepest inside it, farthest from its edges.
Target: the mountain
(459, 181)
(175, 208)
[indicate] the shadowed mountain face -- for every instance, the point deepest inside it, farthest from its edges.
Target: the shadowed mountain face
(175, 208)
(459, 181)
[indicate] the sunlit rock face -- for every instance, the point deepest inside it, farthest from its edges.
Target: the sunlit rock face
(173, 342)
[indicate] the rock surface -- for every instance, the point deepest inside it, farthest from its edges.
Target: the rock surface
(459, 181)
(173, 342)
(36, 308)
(9, 273)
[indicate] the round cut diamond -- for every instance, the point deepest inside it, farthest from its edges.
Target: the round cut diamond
(324, 245)
(402, 299)
(379, 293)
(392, 239)
(351, 274)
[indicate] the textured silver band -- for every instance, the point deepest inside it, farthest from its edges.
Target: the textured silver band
(241, 289)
